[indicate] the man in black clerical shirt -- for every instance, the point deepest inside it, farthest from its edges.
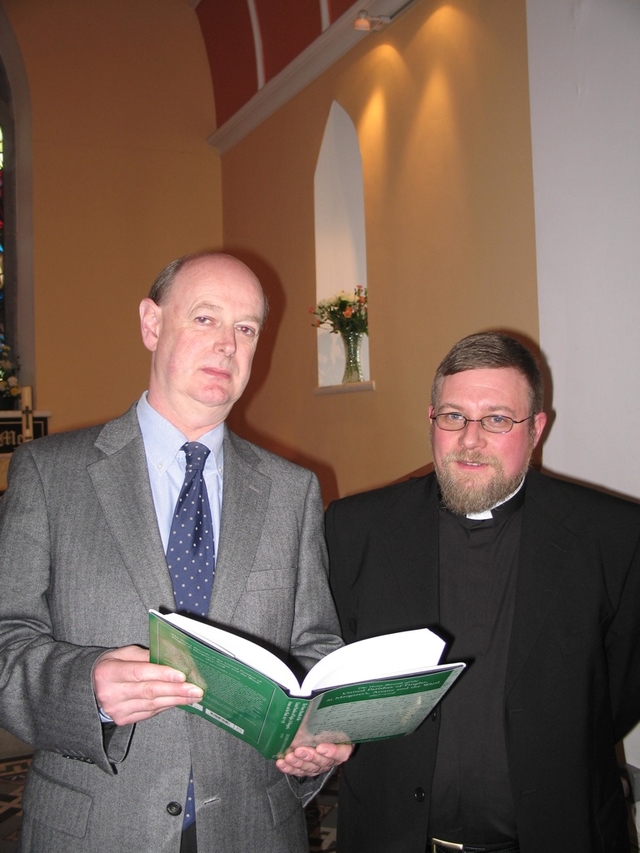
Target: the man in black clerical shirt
(535, 583)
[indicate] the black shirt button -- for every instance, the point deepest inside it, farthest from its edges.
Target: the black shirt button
(174, 809)
(434, 714)
(419, 795)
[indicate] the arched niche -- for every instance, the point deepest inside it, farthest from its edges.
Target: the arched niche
(341, 260)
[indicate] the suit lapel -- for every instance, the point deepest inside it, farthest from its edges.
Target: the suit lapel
(244, 507)
(121, 482)
(545, 546)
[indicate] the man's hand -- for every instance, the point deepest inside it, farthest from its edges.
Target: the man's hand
(310, 761)
(128, 688)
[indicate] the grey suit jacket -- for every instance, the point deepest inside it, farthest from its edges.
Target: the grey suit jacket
(81, 563)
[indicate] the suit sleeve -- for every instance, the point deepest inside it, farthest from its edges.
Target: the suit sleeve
(46, 688)
(341, 566)
(623, 636)
(315, 629)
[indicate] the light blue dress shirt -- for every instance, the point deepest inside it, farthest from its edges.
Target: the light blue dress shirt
(166, 465)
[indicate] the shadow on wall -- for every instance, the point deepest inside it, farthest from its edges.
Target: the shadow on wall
(237, 420)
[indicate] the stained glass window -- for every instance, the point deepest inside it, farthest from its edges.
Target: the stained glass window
(2, 334)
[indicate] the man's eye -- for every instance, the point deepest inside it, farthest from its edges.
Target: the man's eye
(498, 420)
(249, 331)
(453, 417)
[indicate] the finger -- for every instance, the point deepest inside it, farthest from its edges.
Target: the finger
(337, 752)
(304, 762)
(118, 671)
(148, 701)
(127, 653)
(136, 710)
(154, 692)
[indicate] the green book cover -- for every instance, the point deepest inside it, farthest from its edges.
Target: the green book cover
(253, 695)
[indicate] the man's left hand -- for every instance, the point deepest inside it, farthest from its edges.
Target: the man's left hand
(312, 761)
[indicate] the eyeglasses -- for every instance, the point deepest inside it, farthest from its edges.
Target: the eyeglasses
(454, 421)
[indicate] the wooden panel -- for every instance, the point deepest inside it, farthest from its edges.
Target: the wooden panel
(228, 37)
(337, 8)
(288, 27)
(11, 437)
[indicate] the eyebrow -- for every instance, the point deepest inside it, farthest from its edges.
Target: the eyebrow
(494, 407)
(211, 306)
(207, 306)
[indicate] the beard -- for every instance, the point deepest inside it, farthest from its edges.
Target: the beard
(460, 492)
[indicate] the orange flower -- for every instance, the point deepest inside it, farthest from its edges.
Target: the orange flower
(344, 312)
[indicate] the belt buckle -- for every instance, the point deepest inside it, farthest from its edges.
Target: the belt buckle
(448, 845)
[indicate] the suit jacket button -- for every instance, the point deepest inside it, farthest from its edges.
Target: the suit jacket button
(174, 809)
(419, 795)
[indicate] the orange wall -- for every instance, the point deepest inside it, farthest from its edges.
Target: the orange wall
(123, 181)
(440, 103)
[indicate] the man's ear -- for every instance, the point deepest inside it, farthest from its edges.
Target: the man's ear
(539, 423)
(150, 323)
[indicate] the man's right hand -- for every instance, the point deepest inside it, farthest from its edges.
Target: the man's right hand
(128, 688)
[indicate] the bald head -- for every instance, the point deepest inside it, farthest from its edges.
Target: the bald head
(201, 322)
(162, 285)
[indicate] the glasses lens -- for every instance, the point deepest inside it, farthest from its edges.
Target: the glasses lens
(451, 421)
(497, 423)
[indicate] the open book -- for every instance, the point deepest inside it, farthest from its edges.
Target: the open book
(373, 689)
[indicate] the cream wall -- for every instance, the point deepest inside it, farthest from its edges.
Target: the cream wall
(440, 103)
(585, 93)
(123, 182)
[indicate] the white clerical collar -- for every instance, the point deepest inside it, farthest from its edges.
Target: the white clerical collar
(487, 513)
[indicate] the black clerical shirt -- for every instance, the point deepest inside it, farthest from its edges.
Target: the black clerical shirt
(471, 796)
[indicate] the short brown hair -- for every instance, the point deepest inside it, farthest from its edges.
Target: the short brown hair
(493, 350)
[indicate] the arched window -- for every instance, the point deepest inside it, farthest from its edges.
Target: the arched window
(7, 266)
(17, 202)
(341, 259)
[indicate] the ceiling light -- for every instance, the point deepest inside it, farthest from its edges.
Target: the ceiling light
(366, 23)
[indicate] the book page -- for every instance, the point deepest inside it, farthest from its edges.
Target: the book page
(404, 653)
(237, 647)
(375, 710)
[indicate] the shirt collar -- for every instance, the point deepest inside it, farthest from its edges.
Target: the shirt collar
(488, 513)
(162, 440)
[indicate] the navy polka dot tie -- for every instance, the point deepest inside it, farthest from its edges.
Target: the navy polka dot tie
(190, 551)
(191, 555)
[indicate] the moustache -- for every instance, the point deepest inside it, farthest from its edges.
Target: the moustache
(474, 458)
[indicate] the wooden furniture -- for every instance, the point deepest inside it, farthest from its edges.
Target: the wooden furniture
(18, 426)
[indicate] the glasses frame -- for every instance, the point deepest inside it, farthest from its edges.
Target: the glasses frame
(479, 421)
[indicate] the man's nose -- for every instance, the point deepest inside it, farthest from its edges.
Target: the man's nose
(472, 435)
(226, 341)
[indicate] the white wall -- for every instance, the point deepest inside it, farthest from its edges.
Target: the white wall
(584, 61)
(584, 65)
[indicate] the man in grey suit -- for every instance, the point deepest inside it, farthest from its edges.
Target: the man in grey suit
(83, 532)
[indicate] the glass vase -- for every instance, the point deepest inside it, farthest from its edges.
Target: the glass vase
(352, 367)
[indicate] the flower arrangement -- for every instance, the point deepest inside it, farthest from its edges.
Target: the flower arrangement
(343, 313)
(9, 383)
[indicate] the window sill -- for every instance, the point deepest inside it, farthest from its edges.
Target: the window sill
(349, 388)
